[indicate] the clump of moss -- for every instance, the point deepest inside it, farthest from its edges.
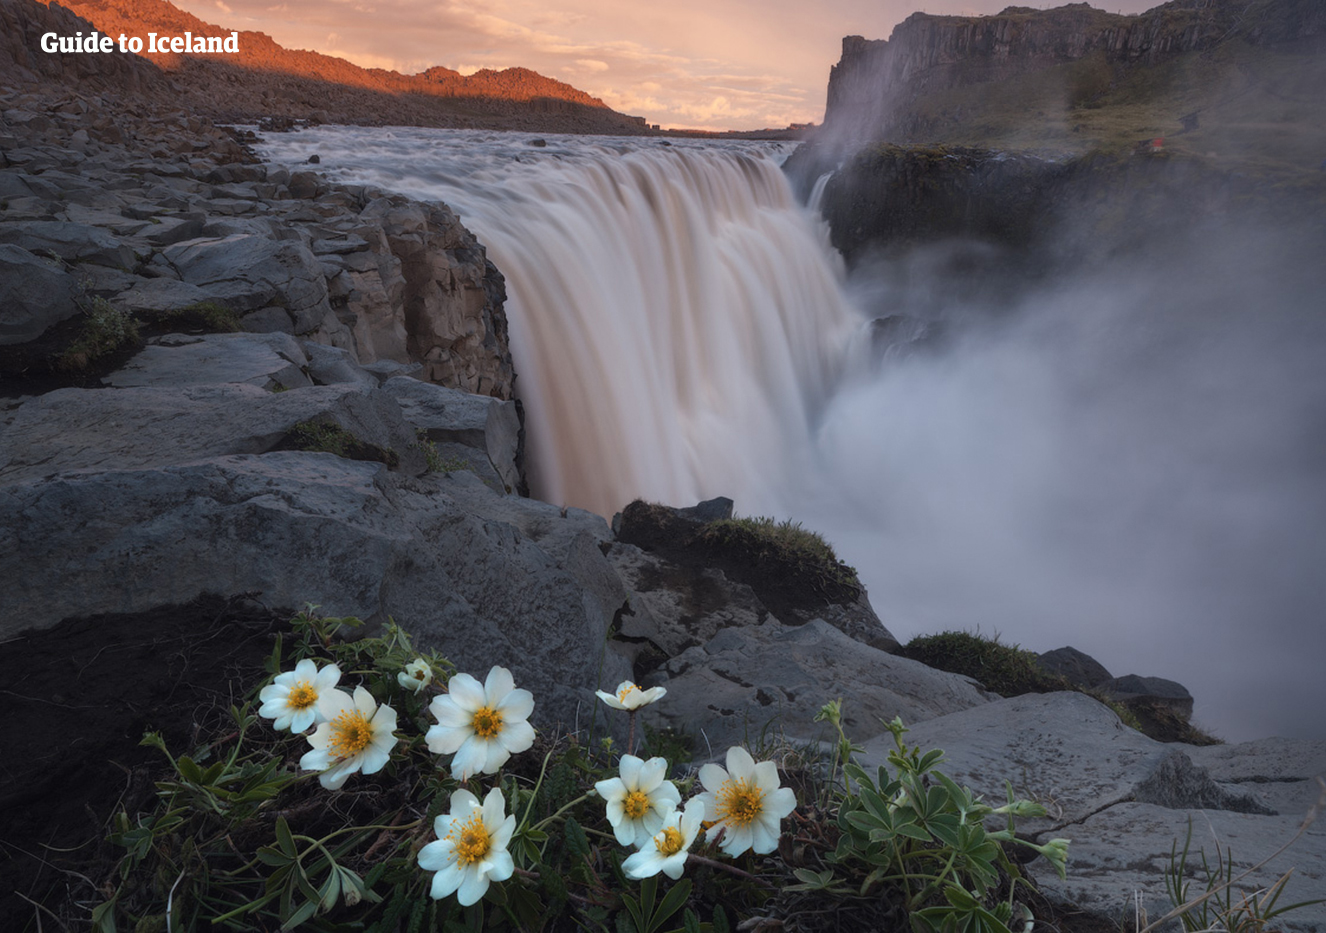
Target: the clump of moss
(323, 437)
(210, 317)
(433, 457)
(1005, 669)
(797, 559)
(106, 330)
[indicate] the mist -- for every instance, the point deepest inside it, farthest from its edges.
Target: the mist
(1130, 460)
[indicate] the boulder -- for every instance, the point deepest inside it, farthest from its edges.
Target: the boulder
(1132, 688)
(34, 294)
(247, 272)
(449, 416)
(134, 428)
(1077, 667)
(299, 527)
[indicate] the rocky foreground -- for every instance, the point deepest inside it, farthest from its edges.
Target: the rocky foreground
(317, 408)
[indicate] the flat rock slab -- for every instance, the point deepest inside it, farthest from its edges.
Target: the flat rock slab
(266, 360)
(1127, 849)
(747, 678)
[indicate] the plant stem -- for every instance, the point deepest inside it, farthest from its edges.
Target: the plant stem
(724, 866)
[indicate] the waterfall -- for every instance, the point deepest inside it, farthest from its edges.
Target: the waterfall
(677, 319)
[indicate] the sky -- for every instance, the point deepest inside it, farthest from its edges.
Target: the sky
(708, 64)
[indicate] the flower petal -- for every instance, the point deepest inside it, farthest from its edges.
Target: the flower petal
(497, 685)
(713, 777)
(517, 704)
(436, 855)
(763, 838)
(466, 692)
(740, 764)
(503, 866)
(629, 769)
(516, 737)
(472, 888)
(609, 699)
(780, 803)
(445, 882)
(470, 758)
(496, 757)
(652, 773)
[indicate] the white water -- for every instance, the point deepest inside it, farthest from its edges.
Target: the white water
(1073, 468)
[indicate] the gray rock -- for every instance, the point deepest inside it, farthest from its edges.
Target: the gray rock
(1072, 754)
(133, 428)
(1133, 688)
(250, 272)
(72, 242)
(1078, 667)
(748, 679)
(159, 294)
(1179, 784)
(486, 424)
(333, 366)
(34, 294)
(265, 360)
(383, 370)
(305, 527)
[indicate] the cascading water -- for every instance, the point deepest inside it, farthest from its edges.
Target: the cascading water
(1126, 459)
(676, 318)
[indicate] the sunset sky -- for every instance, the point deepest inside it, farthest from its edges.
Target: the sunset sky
(717, 64)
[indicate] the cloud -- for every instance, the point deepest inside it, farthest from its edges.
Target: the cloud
(223, 8)
(592, 64)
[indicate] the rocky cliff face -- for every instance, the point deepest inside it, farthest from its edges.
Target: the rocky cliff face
(873, 86)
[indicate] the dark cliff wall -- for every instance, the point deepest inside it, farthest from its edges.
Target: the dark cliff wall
(875, 82)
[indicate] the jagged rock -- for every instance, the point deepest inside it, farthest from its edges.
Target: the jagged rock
(334, 366)
(750, 678)
(265, 360)
(34, 294)
(482, 423)
(1179, 784)
(159, 294)
(248, 272)
(1281, 772)
(1077, 667)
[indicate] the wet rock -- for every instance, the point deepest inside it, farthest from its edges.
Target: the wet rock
(1075, 666)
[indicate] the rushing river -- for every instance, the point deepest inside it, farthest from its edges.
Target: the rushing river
(1129, 462)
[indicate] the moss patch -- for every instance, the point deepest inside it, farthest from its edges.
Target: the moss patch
(207, 317)
(324, 437)
(1005, 669)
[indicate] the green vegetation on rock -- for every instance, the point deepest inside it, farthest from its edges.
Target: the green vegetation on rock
(785, 550)
(323, 437)
(106, 330)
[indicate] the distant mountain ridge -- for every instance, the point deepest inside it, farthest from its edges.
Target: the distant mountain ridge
(267, 80)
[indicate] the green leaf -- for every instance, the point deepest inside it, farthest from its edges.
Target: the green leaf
(271, 856)
(300, 916)
(577, 843)
(672, 902)
(690, 922)
(284, 839)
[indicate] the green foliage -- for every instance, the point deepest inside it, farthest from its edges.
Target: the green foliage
(1006, 669)
(105, 330)
(798, 557)
(919, 837)
(325, 437)
(433, 457)
(205, 316)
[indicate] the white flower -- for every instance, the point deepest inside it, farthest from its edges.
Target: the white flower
(746, 802)
(667, 849)
(482, 725)
(416, 676)
(630, 697)
(357, 738)
(470, 850)
(297, 699)
(639, 799)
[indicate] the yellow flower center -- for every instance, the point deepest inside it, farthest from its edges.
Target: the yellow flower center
(350, 734)
(473, 842)
(669, 841)
(739, 803)
(302, 696)
(625, 692)
(636, 804)
(487, 722)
